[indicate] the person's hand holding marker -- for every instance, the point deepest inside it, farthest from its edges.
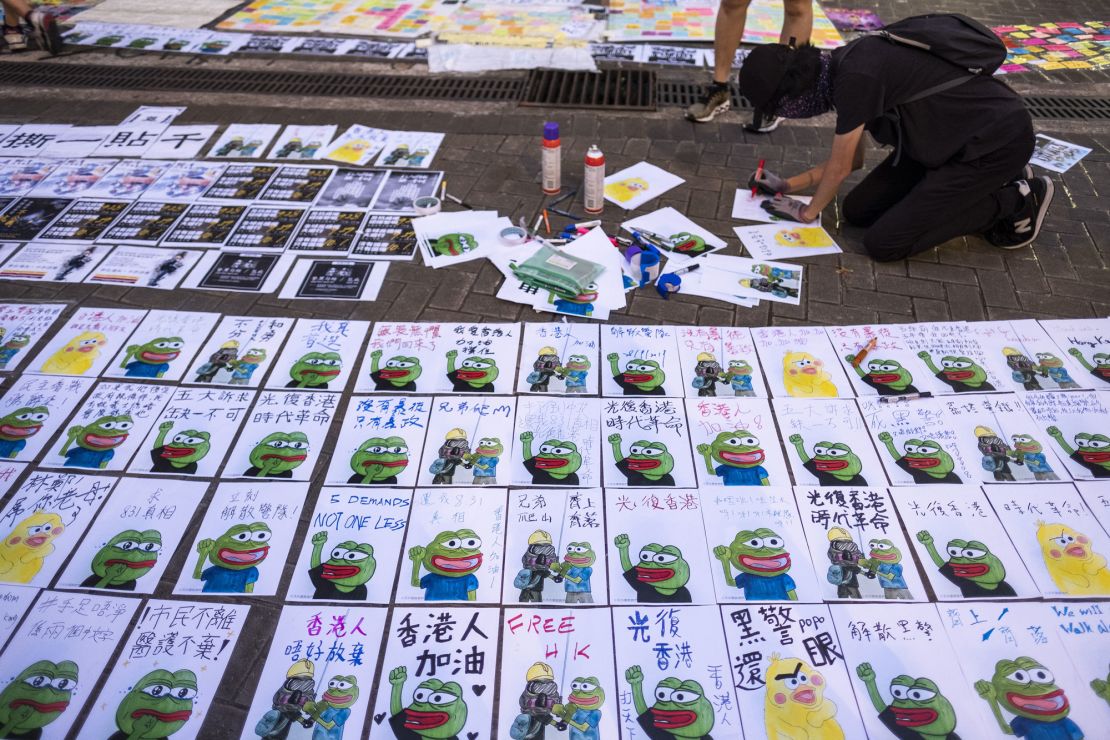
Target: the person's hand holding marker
(768, 183)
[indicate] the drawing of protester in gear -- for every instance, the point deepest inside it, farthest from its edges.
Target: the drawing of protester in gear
(452, 454)
(540, 560)
(546, 366)
(707, 373)
(540, 705)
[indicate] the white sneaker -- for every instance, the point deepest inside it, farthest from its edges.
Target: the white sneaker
(15, 38)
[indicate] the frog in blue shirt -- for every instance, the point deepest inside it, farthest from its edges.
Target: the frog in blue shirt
(740, 456)
(451, 559)
(761, 561)
(1028, 690)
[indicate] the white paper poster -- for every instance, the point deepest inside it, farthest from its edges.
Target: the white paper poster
(163, 345)
(1075, 424)
(320, 355)
(239, 351)
(633, 186)
(559, 359)
(380, 441)
(1087, 342)
(244, 140)
(193, 433)
(144, 267)
(33, 410)
(87, 341)
(735, 443)
(302, 142)
(557, 442)
(640, 361)
(646, 443)
(23, 325)
(786, 241)
(469, 441)
(827, 443)
(283, 435)
(800, 362)
(181, 142)
(685, 238)
(53, 262)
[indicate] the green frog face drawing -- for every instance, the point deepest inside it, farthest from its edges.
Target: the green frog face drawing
(974, 561)
(437, 710)
(1025, 688)
(184, 448)
(580, 555)
(884, 551)
(889, 373)
(127, 557)
(22, 423)
(680, 707)
(158, 351)
(241, 547)
(278, 453)
(316, 369)
(833, 458)
(379, 458)
(158, 705)
(36, 697)
(578, 363)
(341, 693)
(916, 704)
(740, 449)
(106, 433)
(559, 458)
(477, 371)
(397, 371)
(586, 693)
(349, 565)
(489, 447)
(963, 370)
(645, 375)
(453, 245)
(456, 553)
(1026, 444)
(663, 567)
(926, 455)
(739, 367)
(651, 459)
(686, 243)
(760, 552)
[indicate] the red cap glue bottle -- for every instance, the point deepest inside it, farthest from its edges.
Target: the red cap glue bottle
(593, 187)
(552, 159)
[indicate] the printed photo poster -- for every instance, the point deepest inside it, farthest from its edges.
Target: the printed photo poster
(352, 189)
(334, 280)
(469, 442)
(1017, 671)
(557, 442)
(962, 547)
(283, 436)
(24, 219)
(243, 541)
(163, 345)
(43, 521)
(855, 539)
(1024, 356)
(673, 673)
(1061, 541)
(18, 177)
(735, 443)
(204, 225)
(327, 231)
(244, 140)
(719, 361)
(184, 182)
(1076, 426)
(264, 228)
(633, 186)
(193, 433)
(800, 362)
(240, 183)
(790, 671)
(559, 664)
(353, 549)
(15, 601)
(319, 674)
(86, 342)
(302, 142)
(906, 673)
(1086, 341)
(756, 546)
(919, 443)
(879, 361)
(440, 358)
(561, 539)
(648, 443)
(454, 546)
(384, 236)
(657, 552)
(238, 351)
(58, 262)
(55, 659)
(953, 355)
(401, 189)
(85, 220)
(32, 410)
(380, 441)
(563, 359)
(169, 672)
(242, 272)
(640, 361)
(441, 668)
(73, 178)
(785, 241)
(1081, 626)
(144, 267)
(23, 326)
(827, 443)
(129, 179)
(1097, 498)
(410, 149)
(134, 536)
(1057, 155)
(319, 355)
(297, 184)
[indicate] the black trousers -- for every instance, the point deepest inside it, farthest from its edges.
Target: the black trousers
(908, 208)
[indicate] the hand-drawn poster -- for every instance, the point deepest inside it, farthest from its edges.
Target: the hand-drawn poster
(380, 441)
(138, 132)
(184, 182)
(1081, 626)
(1077, 423)
(748, 207)
(878, 359)
(470, 441)
(264, 228)
(786, 240)
(56, 657)
(673, 673)
(557, 673)
(133, 538)
(557, 442)
(439, 358)
(146, 267)
(1026, 358)
(327, 231)
(905, 672)
(918, 442)
(43, 521)
(454, 546)
(302, 142)
(352, 550)
(193, 433)
(854, 537)
(563, 358)
(719, 361)
(32, 138)
(633, 186)
(963, 548)
(1097, 498)
(319, 673)
(409, 149)
(1057, 155)
(449, 238)
(441, 668)
(737, 279)
(640, 361)
(791, 672)
(682, 238)
(319, 355)
(561, 539)
(356, 146)
(756, 547)
(243, 541)
(162, 345)
(53, 262)
(656, 547)
(800, 362)
(108, 427)
(951, 354)
(32, 411)
(244, 140)
(1086, 341)
(204, 225)
(283, 435)
(169, 671)
(73, 178)
(1063, 545)
(1017, 671)
(23, 325)
(238, 348)
(85, 344)
(15, 601)
(827, 443)
(297, 184)
(735, 443)
(604, 294)
(647, 443)
(85, 220)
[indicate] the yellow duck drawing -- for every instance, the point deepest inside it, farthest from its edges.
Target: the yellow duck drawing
(795, 707)
(805, 376)
(623, 191)
(31, 541)
(1075, 568)
(77, 356)
(803, 236)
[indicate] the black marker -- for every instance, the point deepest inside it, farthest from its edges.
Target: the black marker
(907, 397)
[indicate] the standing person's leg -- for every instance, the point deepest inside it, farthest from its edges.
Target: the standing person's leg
(732, 16)
(797, 21)
(13, 31)
(41, 22)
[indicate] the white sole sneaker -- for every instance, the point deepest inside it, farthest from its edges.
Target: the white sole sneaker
(1037, 218)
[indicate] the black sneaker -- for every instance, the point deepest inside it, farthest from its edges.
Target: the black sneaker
(717, 100)
(46, 31)
(762, 123)
(1025, 174)
(1023, 227)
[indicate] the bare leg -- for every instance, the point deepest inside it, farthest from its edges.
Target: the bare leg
(732, 16)
(797, 21)
(15, 11)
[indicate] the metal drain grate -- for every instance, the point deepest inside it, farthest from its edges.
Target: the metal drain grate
(207, 79)
(612, 89)
(684, 94)
(1068, 109)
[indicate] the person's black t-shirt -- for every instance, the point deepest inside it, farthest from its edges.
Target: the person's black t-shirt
(94, 579)
(969, 588)
(646, 594)
(390, 481)
(962, 123)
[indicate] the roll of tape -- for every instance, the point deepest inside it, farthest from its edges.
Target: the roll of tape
(513, 236)
(427, 206)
